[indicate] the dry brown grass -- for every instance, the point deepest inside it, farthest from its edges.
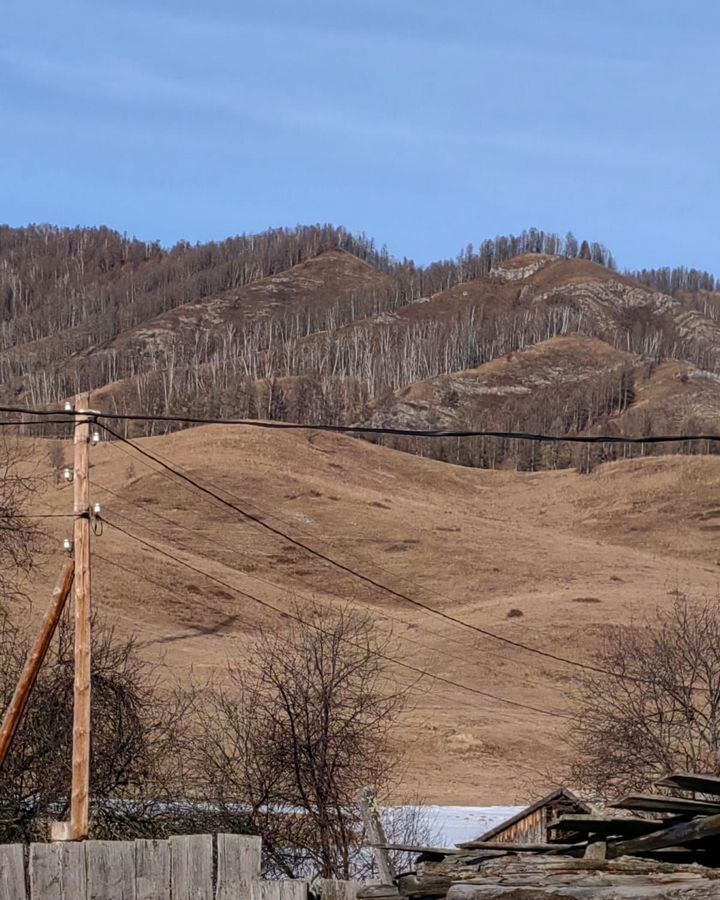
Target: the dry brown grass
(474, 543)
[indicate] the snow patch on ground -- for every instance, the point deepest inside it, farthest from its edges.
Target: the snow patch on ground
(452, 825)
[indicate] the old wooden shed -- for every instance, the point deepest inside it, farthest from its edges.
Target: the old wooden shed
(530, 826)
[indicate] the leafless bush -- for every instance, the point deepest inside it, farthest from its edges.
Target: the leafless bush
(282, 751)
(19, 532)
(303, 725)
(658, 709)
(141, 731)
(411, 825)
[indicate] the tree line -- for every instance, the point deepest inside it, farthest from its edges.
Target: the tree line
(675, 281)
(277, 370)
(99, 283)
(68, 293)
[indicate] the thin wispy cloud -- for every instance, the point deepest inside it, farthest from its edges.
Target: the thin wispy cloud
(327, 110)
(115, 78)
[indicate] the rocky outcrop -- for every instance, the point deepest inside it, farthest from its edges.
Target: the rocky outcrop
(521, 267)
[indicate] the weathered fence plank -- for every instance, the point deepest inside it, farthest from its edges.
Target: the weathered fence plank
(293, 890)
(279, 890)
(192, 867)
(110, 870)
(152, 870)
(238, 862)
(330, 889)
(179, 869)
(12, 872)
(57, 872)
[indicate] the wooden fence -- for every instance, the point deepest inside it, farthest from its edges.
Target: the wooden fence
(199, 867)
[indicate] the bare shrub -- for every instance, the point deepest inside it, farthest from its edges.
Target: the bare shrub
(140, 737)
(658, 709)
(304, 725)
(19, 532)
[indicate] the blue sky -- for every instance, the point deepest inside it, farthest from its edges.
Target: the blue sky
(426, 124)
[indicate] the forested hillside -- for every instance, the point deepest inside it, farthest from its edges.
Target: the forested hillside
(314, 324)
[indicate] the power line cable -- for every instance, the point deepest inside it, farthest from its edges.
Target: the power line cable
(352, 572)
(9, 423)
(270, 515)
(172, 589)
(255, 577)
(40, 516)
(416, 669)
(399, 432)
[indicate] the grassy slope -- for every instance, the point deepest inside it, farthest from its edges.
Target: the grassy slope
(475, 543)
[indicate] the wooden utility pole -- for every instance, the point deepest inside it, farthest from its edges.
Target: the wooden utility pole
(80, 797)
(14, 713)
(77, 828)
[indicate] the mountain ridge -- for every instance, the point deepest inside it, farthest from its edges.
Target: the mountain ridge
(315, 333)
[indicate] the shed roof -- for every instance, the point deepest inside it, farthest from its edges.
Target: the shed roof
(552, 797)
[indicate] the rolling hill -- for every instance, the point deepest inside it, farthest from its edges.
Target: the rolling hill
(317, 326)
(327, 285)
(551, 559)
(566, 384)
